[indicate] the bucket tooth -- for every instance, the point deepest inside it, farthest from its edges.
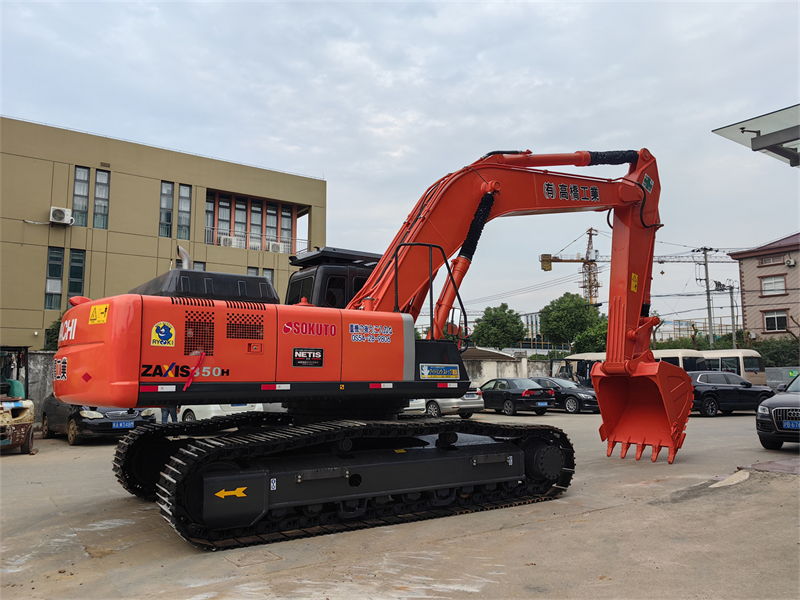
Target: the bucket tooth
(625, 447)
(610, 447)
(640, 450)
(671, 455)
(656, 450)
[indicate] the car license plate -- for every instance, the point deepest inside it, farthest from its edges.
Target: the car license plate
(791, 424)
(541, 404)
(122, 425)
(238, 404)
(470, 396)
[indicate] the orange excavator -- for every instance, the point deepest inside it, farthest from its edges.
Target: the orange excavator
(340, 458)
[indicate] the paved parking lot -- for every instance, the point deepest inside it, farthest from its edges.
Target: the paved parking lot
(624, 529)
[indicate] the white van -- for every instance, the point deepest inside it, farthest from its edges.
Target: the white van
(743, 362)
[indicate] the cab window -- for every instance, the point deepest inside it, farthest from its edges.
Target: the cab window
(334, 296)
(300, 288)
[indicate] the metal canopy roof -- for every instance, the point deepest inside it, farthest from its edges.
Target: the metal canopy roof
(776, 134)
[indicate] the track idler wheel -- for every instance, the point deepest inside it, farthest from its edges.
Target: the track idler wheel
(543, 461)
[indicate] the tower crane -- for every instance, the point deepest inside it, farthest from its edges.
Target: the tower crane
(589, 269)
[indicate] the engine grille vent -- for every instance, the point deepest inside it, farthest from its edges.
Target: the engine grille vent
(199, 332)
(246, 305)
(245, 327)
(192, 301)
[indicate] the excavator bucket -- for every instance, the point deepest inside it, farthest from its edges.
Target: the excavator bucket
(648, 408)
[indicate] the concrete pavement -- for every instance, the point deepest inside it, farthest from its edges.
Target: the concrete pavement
(624, 529)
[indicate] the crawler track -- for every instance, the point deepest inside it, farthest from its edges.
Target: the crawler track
(185, 450)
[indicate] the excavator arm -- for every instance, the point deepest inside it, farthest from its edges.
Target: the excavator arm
(642, 402)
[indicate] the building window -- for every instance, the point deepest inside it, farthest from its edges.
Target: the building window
(102, 184)
(286, 229)
(775, 320)
(249, 223)
(252, 271)
(772, 286)
(240, 223)
(224, 223)
(771, 260)
(55, 272)
(80, 197)
(165, 217)
(184, 211)
(269, 274)
(271, 230)
(199, 266)
(255, 225)
(210, 197)
(77, 268)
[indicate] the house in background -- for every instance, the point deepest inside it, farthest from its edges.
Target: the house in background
(770, 282)
(87, 215)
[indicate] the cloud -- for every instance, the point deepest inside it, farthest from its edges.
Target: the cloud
(385, 98)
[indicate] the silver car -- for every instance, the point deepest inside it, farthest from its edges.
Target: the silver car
(464, 407)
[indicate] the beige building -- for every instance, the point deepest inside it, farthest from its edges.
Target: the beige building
(770, 280)
(86, 215)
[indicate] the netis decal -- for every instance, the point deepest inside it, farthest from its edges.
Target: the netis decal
(308, 328)
(307, 357)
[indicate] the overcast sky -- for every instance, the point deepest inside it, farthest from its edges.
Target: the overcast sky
(382, 99)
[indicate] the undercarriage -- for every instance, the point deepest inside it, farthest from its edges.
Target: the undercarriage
(258, 478)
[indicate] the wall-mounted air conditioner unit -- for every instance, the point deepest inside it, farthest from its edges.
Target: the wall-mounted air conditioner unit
(62, 216)
(226, 240)
(274, 246)
(790, 262)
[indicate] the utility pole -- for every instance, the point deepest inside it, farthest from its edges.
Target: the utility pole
(705, 250)
(733, 318)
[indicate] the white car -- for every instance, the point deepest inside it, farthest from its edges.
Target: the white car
(195, 412)
(464, 407)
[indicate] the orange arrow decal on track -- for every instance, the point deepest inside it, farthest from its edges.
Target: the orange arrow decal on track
(238, 492)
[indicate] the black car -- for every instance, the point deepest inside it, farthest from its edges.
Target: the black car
(778, 418)
(80, 422)
(716, 391)
(510, 395)
(569, 395)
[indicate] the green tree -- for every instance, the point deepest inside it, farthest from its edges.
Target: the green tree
(593, 339)
(51, 335)
(499, 327)
(564, 318)
(781, 351)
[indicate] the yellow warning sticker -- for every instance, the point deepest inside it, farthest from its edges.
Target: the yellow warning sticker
(99, 314)
(634, 282)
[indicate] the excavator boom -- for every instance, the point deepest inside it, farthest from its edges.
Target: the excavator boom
(642, 402)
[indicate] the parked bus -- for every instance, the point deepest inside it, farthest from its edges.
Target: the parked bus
(745, 363)
(578, 367)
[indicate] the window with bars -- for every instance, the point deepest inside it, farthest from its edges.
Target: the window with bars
(80, 197)
(102, 186)
(252, 271)
(199, 266)
(775, 320)
(77, 269)
(255, 225)
(165, 215)
(271, 230)
(269, 274)
(53, 283)
(184, 211)
(240, 223)
(772, 286)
